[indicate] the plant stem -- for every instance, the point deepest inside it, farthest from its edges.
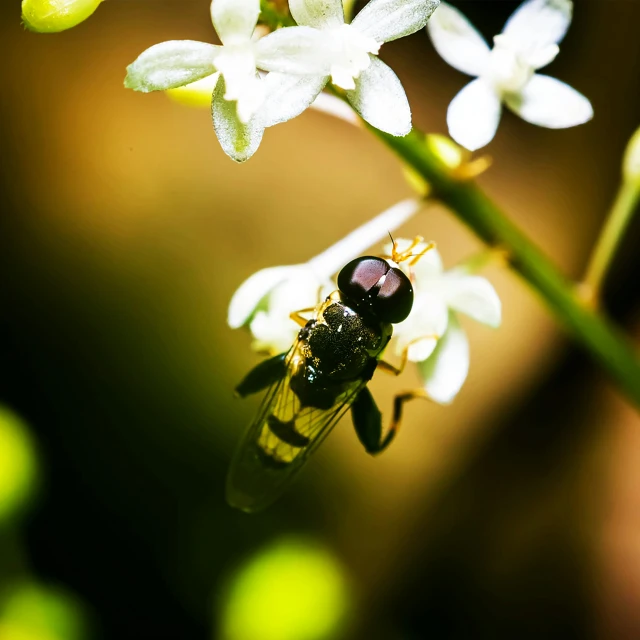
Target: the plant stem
(606, 344)
(616, 224)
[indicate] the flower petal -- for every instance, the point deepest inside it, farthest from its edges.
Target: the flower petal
(238, 140)
(242, 83)
(354, 244)
(542, 56)
(380, 99)
(457, 41)
(333, 106)
(171, 64)
(444, 373)
(321, 14)
(248, 296)
(548, 102)
(538, 23)
(472, 295)
(272, 328)
(474, 115)
(386, 20)
(296, 50)
(420, 332)
(272, 333)
(287, 96)
(235, 20)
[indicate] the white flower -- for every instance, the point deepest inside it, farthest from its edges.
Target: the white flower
(432, 334)
(324, 47)
(507, 73)
(264, 301)
(239, 91)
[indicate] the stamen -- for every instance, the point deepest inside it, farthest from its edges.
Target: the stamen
(401, 257)
(416, 259)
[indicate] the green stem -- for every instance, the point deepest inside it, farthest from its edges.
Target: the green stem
(606, 344)
(617, 221)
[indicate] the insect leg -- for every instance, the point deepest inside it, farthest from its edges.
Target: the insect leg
(398, 404)
(387, 367)
(299, 319)
(367, 419)
(396, 371)
(262, 375)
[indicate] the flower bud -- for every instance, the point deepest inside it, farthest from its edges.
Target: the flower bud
(448, 152)
(195, 94)
(51, 16)
(631, 162)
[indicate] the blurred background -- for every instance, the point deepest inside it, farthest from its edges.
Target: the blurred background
(515, 512)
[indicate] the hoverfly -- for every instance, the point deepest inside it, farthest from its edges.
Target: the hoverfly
(325, 373)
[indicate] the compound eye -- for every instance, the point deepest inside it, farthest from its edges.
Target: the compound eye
(395, 298)
(360, 275)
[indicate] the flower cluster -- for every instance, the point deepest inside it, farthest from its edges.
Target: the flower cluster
(300, 61)
(431, 336)
(507, 73)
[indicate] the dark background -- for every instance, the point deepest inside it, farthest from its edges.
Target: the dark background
(125, 230)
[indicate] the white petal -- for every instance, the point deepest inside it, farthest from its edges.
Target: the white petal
(472, 295)
(287, 96)
(380, 99)
(235, 20)
(272, 328)
(538, 23)
(242, 83)
(428, 267)
(297, 50)
(421, 348)
(238, 140)
(444, 373)
(457, 41)
(386, 20)
(425, 325)
(543, 56)
(272, 333)
(248, 296)
(355, 243)
(474, 115)
(171, 64)
(322, 14)
(333, 106)
(550, 103)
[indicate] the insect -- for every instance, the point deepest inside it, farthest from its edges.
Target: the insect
(323, 375)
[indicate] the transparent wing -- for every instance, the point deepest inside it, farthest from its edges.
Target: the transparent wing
(279, 441)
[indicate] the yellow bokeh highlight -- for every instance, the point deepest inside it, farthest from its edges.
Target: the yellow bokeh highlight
(33, 612)
(195, 94)
(18, 465)
(631, 162)
(292, 590)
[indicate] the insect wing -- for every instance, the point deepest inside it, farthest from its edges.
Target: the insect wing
(279, 441)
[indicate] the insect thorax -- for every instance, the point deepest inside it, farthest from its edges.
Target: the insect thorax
(339, 346)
